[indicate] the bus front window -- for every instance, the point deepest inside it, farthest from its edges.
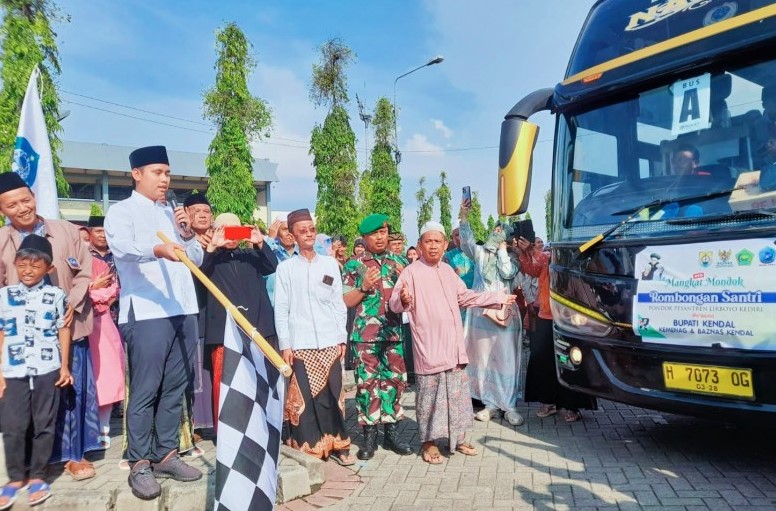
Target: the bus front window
(700, 134)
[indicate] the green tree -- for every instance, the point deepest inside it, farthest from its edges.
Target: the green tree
(96, 210)
(239, 118)
(425, 204)
(333, 145)
(443, 196)
(548, 213)
(29, 40)
(491, 223)
(475, 219)
(381, 185)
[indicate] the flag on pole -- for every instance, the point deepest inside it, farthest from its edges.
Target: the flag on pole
(32, 158)
(250, 419)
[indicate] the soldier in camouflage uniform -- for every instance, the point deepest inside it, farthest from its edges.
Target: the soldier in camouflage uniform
(381, 376)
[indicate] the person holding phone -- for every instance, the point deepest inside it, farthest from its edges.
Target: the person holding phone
(493, 349)
(239, 273)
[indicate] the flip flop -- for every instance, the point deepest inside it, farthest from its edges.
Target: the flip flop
(466, 449)
(11, 493)
(40, 487)
(431, 455)
(80, 470)
(572, 416)
(546, 411)
(338, 458)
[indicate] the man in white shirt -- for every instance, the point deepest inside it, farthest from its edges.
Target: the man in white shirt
(310, 323)
(158, 309)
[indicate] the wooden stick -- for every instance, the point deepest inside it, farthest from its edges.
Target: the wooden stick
(246, 326)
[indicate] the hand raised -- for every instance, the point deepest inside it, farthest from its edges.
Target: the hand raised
(406, 297)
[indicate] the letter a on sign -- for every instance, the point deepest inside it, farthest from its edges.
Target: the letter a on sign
(692, 104)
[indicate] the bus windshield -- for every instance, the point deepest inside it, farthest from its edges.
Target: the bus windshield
(703, 133)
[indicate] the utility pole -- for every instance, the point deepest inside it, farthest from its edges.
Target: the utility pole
(366, 118)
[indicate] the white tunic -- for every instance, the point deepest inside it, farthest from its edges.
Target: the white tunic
(154, 288)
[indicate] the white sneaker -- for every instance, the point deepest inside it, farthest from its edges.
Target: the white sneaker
(486, 414)
(514, 418)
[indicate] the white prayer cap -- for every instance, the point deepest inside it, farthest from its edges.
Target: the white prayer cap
(432, 226)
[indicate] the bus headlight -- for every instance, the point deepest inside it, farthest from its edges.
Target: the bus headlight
(575, 355)
(574, 321)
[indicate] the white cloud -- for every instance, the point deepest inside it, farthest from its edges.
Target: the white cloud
(421, 145)
(440, 125)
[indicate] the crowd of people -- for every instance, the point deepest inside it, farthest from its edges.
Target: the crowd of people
(106, 319)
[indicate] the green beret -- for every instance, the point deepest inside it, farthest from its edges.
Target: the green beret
(372, 223)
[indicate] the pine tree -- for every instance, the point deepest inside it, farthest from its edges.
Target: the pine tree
(381, 185)
(425, 204)
(475, 219)
(491, 223)
(333, 145)
(29, 40)
(239, 118)
(443, 196)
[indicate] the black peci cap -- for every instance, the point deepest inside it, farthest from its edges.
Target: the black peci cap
(39, 243)
(147, 156)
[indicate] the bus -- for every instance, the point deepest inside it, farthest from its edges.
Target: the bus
(663, 264)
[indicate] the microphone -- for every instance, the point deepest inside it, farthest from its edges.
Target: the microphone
(173, 201)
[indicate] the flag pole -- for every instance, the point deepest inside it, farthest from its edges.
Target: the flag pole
(241, 320)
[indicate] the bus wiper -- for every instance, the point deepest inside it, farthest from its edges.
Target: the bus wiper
(722, 217)
(636, 211)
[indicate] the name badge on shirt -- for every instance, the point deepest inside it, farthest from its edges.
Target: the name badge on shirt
(72, 262)
(328, 280)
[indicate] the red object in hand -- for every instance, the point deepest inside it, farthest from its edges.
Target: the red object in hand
(237, 232)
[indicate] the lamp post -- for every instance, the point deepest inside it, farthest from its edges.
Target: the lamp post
(436, 60)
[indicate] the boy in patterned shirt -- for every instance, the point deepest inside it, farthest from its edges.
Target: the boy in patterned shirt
(35, 349)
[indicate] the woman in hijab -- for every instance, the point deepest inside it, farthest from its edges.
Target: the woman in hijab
(493, 349)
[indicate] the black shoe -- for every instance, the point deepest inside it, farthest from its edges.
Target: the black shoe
(367, 452)
(392, 441)
(174, 467)
(142, 481)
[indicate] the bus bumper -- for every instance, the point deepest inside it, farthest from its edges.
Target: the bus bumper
(633, 374)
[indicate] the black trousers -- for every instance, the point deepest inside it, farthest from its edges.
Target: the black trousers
(160, 354)
(29, 400)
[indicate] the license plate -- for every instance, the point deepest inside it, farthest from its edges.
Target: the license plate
(719, 381)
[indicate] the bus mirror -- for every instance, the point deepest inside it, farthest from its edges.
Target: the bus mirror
(518, 139)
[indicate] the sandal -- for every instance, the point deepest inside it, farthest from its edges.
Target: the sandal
(572, 416)
(196, 452)
(39, 487)
(80, 470)
(104, 442)
(342, 458)
(11, 493)
(546, 411)
(431, 455)
(466, 448)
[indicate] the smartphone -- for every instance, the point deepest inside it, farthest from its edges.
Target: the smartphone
(237, 232)
(467, 194)
(525, 230)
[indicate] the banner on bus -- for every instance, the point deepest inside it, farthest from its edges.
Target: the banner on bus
(705, 294)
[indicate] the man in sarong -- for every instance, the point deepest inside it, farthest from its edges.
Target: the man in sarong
(432, 293)
(310, 323)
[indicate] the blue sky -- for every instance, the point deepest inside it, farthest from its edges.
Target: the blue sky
(159, 56)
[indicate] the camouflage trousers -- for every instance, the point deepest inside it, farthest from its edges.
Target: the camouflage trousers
(380, 379)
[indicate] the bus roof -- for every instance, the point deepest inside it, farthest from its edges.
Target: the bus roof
(623, 41)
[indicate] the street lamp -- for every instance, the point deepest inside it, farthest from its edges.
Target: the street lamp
(436, 60)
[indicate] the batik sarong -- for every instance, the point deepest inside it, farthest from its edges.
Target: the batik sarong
(443, 406)
(315, 403)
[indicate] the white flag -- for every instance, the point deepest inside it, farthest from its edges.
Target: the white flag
(250, 421)
(32, 154)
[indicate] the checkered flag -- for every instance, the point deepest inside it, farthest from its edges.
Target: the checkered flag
(249, 425)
